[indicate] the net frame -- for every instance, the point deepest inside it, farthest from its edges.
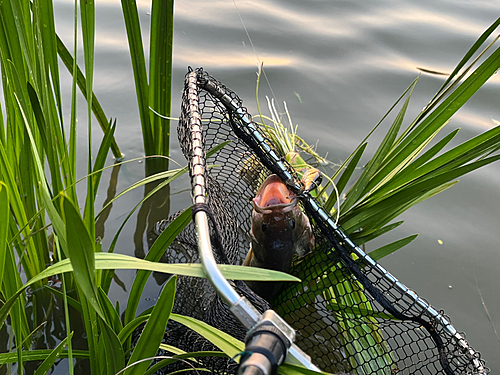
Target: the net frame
(453, 352)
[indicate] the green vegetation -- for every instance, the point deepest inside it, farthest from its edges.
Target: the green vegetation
(45, 230)
(42, 223)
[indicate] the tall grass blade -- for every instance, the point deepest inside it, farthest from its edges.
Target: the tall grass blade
(4, 219)
(120, 261)
(160, 72)
(52, 357)
(225, 342)
(90, 322)
(19, 320)
(154, 255)
(81, 253)
(40, 355)
(153, 332)
(378, 158)
(87, 11)
(66, 301)
(362, 237)
(17, 207)
(101, 156)
(353, 163)
(47, 136)
(74, 69)
(392, 247)
(131, 326)
(405, 152)
(131, 17)
(459, 155)
(475, 47)
(43, 189)
(79, 78)
(48, 33)
(112, 354)
(23, 34)
(112, 317)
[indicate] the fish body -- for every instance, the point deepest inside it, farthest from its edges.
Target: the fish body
(279, 231)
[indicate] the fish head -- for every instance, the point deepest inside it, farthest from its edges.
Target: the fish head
(279, 227)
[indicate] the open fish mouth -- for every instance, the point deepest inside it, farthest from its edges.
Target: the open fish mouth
(274, 196)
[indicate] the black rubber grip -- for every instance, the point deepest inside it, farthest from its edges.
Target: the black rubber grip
(265, 351)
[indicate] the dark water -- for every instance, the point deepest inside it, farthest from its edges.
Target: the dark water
(348, 62)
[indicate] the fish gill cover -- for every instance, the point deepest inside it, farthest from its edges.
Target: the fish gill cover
(350, 314)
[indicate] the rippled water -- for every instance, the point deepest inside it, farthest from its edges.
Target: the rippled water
(347, 62)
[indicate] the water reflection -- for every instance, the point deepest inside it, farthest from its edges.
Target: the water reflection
(153, 209)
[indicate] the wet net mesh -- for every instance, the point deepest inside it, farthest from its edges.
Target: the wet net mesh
(350, 314)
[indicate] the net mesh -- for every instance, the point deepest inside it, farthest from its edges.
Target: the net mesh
(349, 313)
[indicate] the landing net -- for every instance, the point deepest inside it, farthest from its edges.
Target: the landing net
(350, 314)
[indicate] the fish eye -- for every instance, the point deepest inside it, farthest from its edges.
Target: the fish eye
(292, 223)
(264, 227)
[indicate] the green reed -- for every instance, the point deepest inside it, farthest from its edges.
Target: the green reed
(42, 224)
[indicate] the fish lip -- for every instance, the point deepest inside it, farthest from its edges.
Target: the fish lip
(282, 207)
(275, 208)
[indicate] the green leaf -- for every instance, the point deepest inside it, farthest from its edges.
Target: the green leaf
(360, 188)
(102, 154)
(112, 317)
(153, 332)
(157, 366)
(409, 148)
(374, 215)
(80, 249)
(345, 176)
(44, 190)
(470, 53)
(40, 355)
(133, 26)
(225, 342)
(392, 247)
(4, 218)
(160, 71)
(17, 207)
(46, 135)
(365, 236)
(119, 261)
(52, 357)
(154, 255)
(113, 351)
(131, 326)
(71, 301)
(459, 155)
(67, 59)
(171, 175)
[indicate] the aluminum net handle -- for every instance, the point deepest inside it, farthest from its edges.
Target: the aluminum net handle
(239, 306)
(198, 184)
(246, 130)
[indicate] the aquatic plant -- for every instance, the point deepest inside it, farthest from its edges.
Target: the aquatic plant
(42, 223)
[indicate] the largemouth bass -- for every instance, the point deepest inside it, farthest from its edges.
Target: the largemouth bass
(279, 231)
